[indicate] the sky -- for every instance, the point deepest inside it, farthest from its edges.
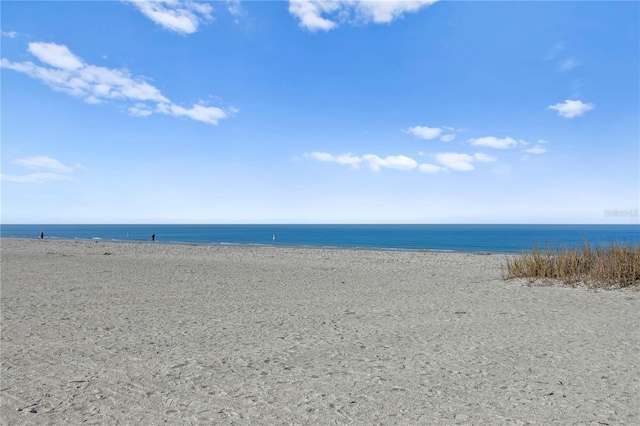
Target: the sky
(234, 112)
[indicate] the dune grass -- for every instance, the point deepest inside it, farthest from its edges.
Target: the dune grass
(605, 267)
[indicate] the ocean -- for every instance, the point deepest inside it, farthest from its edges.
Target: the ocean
(460, 238)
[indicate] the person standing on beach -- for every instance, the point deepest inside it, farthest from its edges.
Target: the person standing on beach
(41, 235)
(153, 237)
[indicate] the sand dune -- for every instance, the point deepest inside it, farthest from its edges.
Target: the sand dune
(108, 333)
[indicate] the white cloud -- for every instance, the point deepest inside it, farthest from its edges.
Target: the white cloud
(181, 16)
(447, 138)
(348, 159)
(425, 132)
(398, 162)
(567, 64)
(536, 149)
(41, 163)
(140, 110)
(493, 142)
(321, 156)
(94, 84)
(542, 141)
(448, 160)
(571, 109)
(455, 161)
(10, 34)
(344, 159)
(56, 55)
(375, 163)
(389, 10)
(309, 13)
(431, 168)
(234, 8)
(312, 14)
(483, 158)
(209, 115)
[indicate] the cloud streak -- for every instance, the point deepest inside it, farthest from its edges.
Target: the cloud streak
(567, 64)
(51, 170)
(448, 161)
(494, 142)
(67, 73)
(374, 162)
(322, 15)
(45, 163)
(536, 149)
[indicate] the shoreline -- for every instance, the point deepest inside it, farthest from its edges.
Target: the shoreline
(112, 332)
(284, 246)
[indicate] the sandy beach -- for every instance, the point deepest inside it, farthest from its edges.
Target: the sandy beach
(122, 333)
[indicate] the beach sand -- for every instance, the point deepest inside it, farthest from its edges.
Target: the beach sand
(106, 333)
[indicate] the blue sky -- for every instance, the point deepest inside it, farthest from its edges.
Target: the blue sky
(320, 112)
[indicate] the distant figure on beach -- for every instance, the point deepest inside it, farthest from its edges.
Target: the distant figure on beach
(153, 237)
(127, 235)
(41, 234)
(274, 237)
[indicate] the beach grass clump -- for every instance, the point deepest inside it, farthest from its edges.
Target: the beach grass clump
(608, 267)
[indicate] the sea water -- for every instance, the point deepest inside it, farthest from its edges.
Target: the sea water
(466, 238)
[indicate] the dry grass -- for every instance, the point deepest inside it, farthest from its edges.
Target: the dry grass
(615, 266)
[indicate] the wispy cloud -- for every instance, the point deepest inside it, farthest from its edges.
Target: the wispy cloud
(53, 170)
(484, 158)
(571, 109)
(325, 15)
(494, 142)
(180, 16)
(447, 161)
(234, 8)
(140, 110)
(536, 149)
(456, 161)
(67, 73)
(431, 168)
(424, 132)
(398, 162)
(462, 162)
(375, 163)
(10, 34)
(345, 159)
(554, 51)
(447, 138)
(34, 178)
(45, 163)
(567, 64)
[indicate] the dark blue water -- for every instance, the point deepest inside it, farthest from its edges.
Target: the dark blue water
(470, 238)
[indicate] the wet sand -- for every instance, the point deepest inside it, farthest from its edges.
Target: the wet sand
(107, 333)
